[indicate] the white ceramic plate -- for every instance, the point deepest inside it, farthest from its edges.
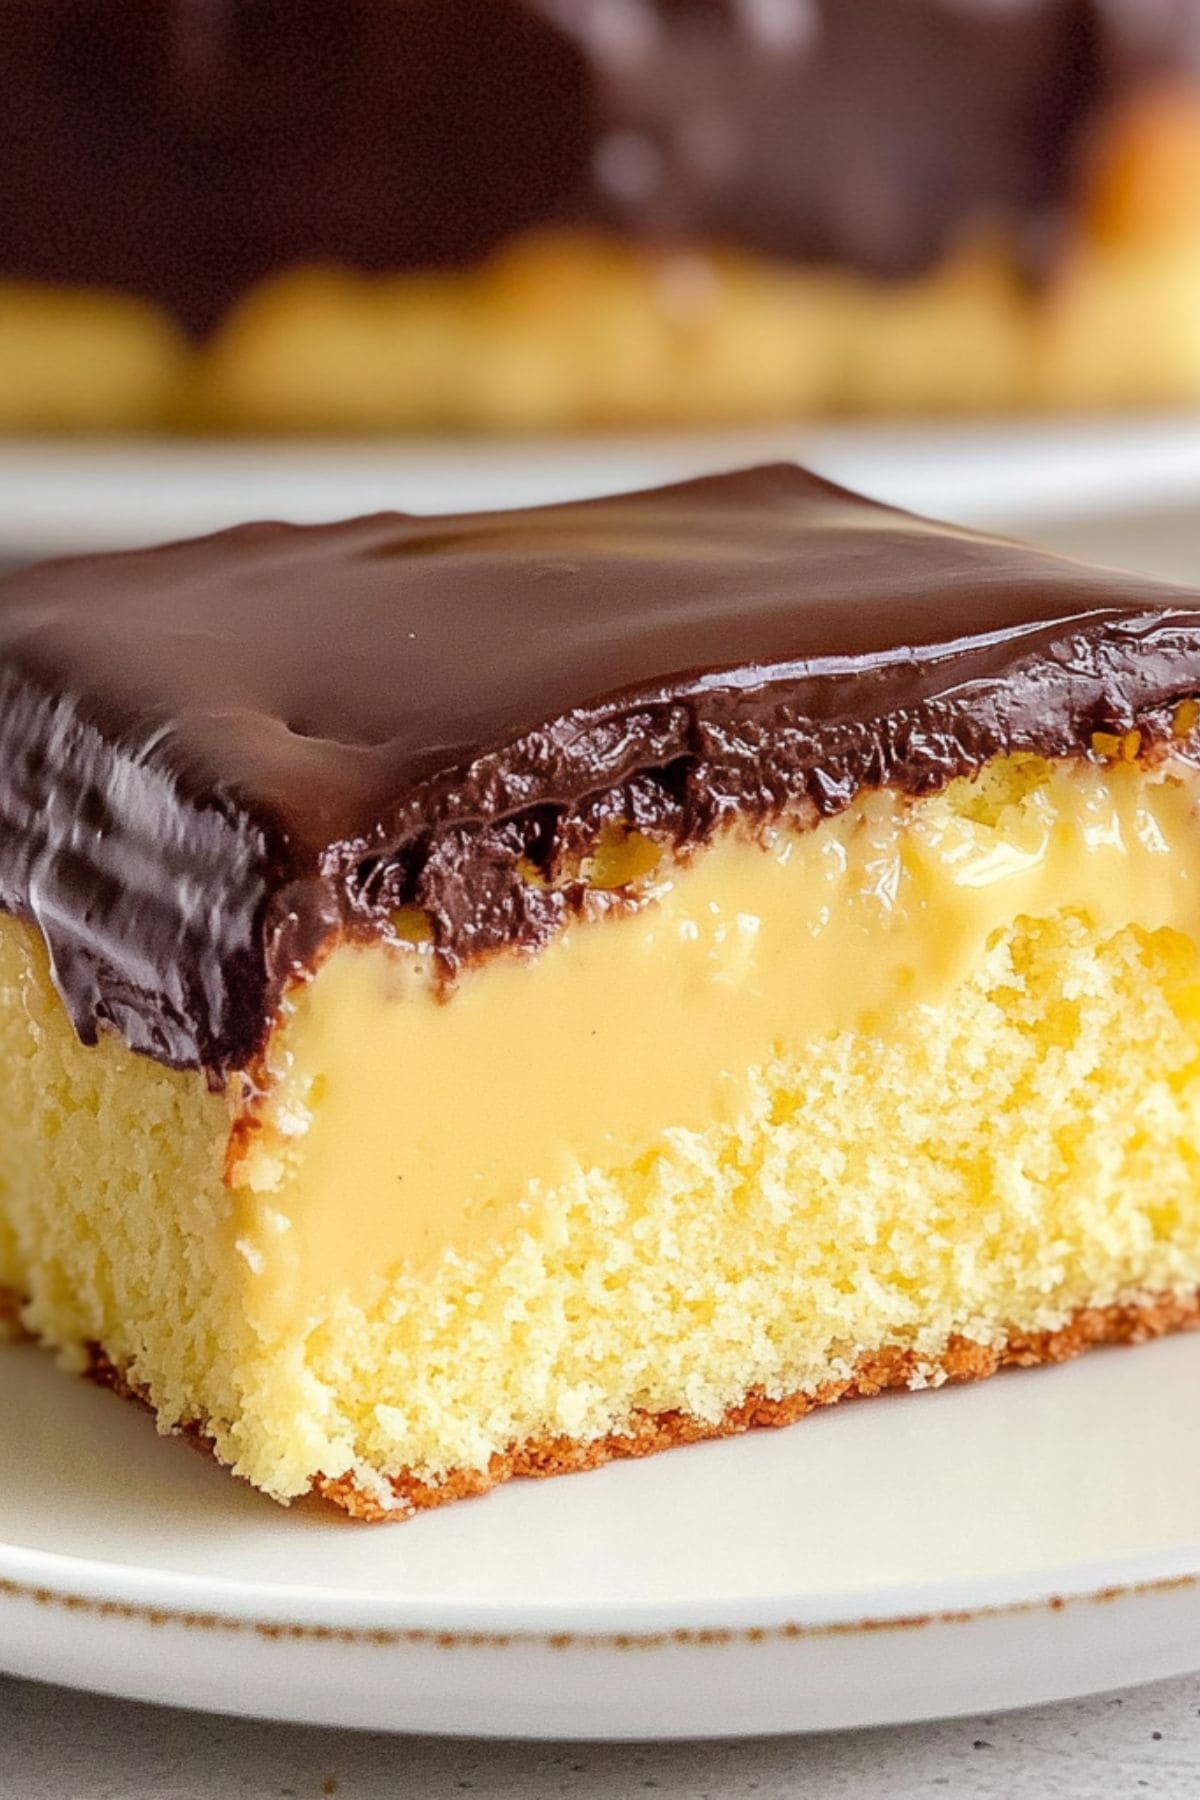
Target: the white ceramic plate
(1023, 1541)
(66, 497)
(1029, 1539)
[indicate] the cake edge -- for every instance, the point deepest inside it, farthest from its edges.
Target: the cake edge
(1137, 1320)
(964, 1360)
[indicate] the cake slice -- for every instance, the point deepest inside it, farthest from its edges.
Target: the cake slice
(484, 995)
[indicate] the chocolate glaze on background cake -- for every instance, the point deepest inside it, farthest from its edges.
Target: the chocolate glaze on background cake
(184, 150)
(216, 755)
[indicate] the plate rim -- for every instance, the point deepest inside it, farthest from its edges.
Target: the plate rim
(129, 1592)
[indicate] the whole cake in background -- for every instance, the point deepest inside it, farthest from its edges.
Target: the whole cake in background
(528, 214)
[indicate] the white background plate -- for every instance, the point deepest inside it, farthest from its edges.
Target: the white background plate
(1026, 1540)
(66, 497)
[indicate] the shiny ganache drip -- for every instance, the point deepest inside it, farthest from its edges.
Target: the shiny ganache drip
(183, 150)
(217, 756)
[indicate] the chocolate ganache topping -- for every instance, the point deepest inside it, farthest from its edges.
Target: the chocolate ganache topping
(218, 755)
(183, 150)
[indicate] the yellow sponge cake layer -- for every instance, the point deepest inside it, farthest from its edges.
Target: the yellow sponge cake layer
(924, 1073)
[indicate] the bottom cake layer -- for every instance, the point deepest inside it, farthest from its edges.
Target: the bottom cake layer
(1136, 1322)
(646, 1434)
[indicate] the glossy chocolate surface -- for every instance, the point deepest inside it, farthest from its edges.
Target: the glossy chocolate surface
(183, 150)
(216, 754)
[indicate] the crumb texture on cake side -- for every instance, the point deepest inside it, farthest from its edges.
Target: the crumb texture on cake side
(976, 1172)
(1135, 1321)
(112, 1199)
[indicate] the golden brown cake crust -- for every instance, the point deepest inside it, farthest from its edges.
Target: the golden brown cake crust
(1131, 1322)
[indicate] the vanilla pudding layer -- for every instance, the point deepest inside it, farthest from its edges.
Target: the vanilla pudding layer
(928, 1071)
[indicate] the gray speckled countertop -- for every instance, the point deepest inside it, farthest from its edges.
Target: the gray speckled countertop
(56, 1745)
